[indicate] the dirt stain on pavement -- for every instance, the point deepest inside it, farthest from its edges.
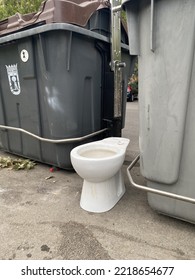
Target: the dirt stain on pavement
(78, 243)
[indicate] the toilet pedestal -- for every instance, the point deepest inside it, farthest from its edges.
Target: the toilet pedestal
(102, 196)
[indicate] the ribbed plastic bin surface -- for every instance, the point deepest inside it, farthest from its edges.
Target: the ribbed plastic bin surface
(162, 33)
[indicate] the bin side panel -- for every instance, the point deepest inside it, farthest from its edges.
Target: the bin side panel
(164, 82)
(185, 184)
(19, 96)
(69, 83)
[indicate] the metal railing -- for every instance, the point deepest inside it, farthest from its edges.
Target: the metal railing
(54, 141)
(152, 190)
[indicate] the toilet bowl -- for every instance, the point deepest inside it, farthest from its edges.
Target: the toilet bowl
(99, 164)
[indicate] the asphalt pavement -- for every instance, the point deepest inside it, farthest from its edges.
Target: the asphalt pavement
(41, 217)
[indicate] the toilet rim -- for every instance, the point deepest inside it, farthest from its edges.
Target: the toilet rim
(118, 151)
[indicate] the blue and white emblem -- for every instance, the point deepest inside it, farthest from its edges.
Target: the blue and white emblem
(13, 78)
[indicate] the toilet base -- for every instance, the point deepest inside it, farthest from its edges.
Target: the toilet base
(103, 196)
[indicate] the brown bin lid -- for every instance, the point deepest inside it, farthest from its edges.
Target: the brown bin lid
(61, 11)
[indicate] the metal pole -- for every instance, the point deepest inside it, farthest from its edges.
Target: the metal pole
(116, 63)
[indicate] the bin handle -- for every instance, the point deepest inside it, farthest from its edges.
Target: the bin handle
(155, 191)
(20, 19)
(152, 27)
(58, 141)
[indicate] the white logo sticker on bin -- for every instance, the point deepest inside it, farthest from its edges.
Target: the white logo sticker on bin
(13, 78)
(24, 55)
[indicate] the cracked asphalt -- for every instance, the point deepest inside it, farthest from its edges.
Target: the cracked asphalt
(41, 218)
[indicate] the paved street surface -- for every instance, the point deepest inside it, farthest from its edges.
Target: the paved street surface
(41, 218)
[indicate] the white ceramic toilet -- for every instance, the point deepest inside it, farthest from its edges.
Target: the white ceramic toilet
(99, 164)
